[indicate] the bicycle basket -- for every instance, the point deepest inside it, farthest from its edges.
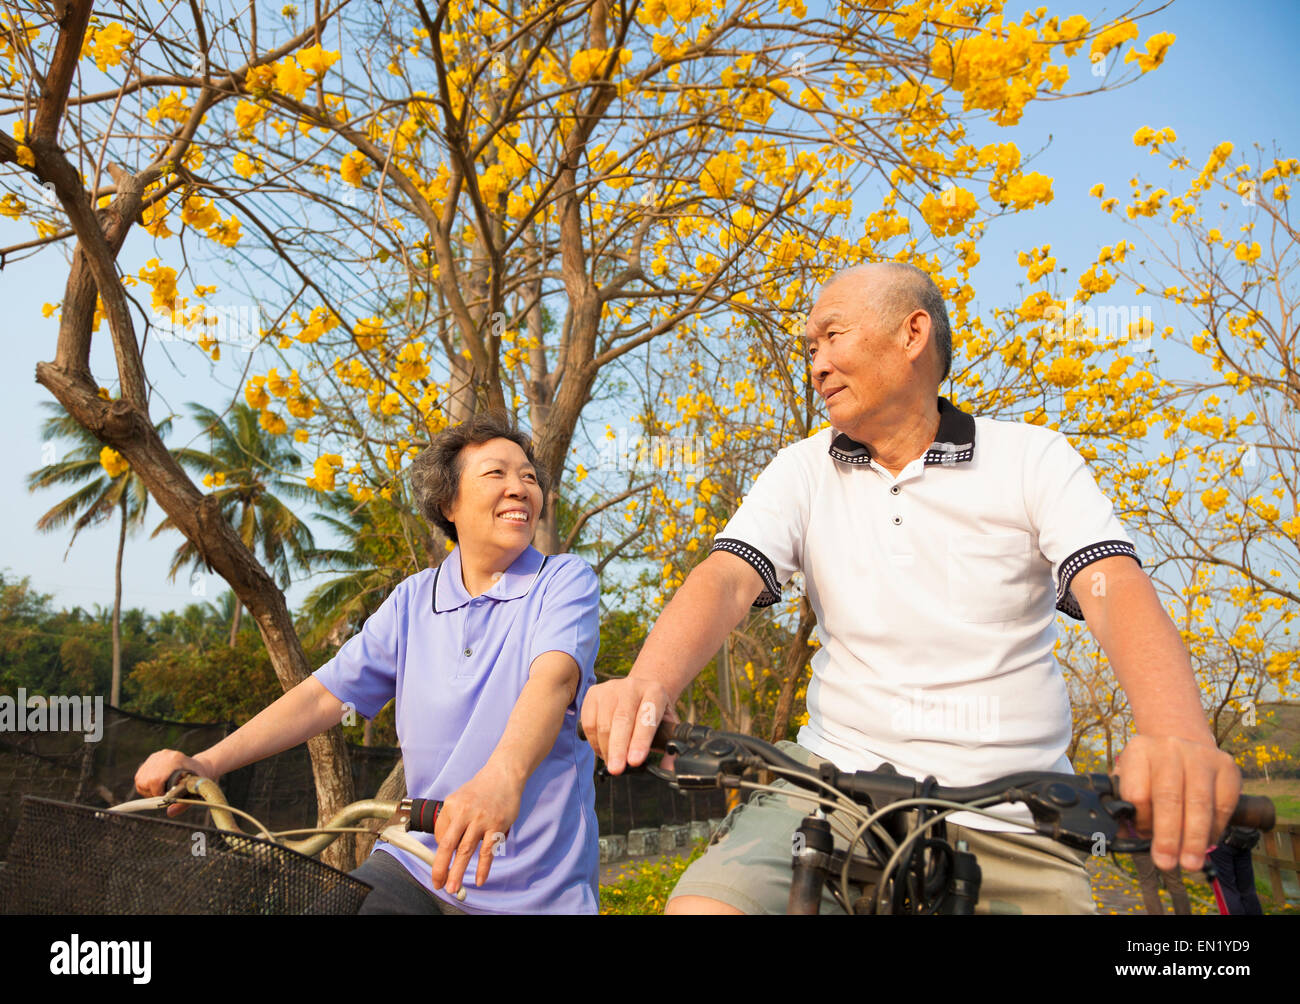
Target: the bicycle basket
(72, 859)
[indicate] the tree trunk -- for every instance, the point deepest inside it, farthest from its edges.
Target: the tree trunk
(124, 425)
(115, 688)
(393, 789)
(234, 622)
(724, 683)
(547, 538)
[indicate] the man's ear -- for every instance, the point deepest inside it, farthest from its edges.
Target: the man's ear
(916, 337)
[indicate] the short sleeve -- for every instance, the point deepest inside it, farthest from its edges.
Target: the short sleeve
(1074, 520)
(569, 620)
(363, 672)
(769, 527)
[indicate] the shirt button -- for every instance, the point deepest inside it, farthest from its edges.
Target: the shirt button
(898, 521)
(468, 652)
(895, 490)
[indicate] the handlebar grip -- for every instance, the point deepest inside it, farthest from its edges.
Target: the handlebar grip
(424, 814)
(176, 777)
(1254, 811)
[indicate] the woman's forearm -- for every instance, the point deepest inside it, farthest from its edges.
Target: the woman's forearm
(535, 721)
(305, 711)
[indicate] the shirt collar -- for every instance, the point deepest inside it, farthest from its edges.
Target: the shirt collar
(449, 586)
(953, 444)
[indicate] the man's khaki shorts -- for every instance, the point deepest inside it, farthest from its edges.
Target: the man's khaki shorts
(747, 864)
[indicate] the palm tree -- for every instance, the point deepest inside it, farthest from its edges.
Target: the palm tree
(246, 467)
(381, 544)
(100, 495)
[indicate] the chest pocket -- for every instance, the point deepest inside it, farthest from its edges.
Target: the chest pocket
(990, 576)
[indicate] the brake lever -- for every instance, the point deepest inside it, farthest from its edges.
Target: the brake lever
(710, 764)
(1084, 813)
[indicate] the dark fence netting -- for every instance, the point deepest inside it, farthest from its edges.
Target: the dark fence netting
(63, 766)
(279, 791)
(636, 800)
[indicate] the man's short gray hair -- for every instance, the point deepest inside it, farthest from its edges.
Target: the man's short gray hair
(907, 288)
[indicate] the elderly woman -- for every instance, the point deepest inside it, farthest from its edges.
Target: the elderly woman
(489, 657)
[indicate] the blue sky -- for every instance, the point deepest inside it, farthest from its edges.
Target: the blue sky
(1230, 75)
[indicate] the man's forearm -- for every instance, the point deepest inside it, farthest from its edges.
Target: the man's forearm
(713, 600)
(1146, 652)
(305, 711)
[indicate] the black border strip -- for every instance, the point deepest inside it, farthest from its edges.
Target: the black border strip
(760, 563)
(1078, 561)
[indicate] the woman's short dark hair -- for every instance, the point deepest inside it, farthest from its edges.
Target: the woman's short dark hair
(435, 472)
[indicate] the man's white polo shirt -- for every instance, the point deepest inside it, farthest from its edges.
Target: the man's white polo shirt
(935, 593)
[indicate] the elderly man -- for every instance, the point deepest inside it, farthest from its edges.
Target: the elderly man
(936, 548)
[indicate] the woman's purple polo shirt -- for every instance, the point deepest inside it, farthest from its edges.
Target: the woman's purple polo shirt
(456, 665)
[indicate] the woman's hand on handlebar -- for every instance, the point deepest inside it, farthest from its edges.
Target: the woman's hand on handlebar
(476, 816)
(151, 777)
(619, 718)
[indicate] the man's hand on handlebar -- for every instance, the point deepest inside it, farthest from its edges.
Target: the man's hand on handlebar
(151, 777)
(619, 718)
(1184, 793)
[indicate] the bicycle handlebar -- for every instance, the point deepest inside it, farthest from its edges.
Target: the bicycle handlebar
(1070, 808)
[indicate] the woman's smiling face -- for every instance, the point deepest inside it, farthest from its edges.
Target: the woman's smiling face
(498, 498)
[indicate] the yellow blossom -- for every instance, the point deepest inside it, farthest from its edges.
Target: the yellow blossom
(255, 393)
(1214, 500)
(248, 114)
(291, 79)
(369, 333)
(323, 472)
(112, 462)
(1157, 46)
(246, 166)
(1024, 191)
(225, 232)
(316, 60)
(272, 423)
(948, 214)
(354, 167)
(1112, 37)
(109, 44)
(720, 175)
(199, 212)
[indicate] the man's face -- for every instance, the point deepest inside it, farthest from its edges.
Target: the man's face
(857, 362)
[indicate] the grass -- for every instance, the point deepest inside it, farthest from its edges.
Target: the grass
(1284, 791)
(644, 888)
